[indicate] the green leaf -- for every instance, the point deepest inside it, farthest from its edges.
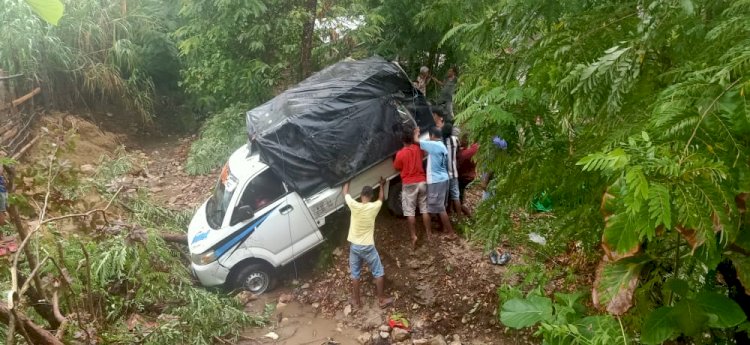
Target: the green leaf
(678, 286)
(519, 313)
(619, 235)
(49, 10)
(689, 317)
(687, 6)
(658, 326)
(568, 299)
(728, 313)
(660, 205)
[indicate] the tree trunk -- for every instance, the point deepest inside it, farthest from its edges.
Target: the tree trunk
(22, 231)
(37, 334)
(40, 304)
(174, 237)
(308, 29)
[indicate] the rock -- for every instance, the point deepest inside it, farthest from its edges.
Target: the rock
(337, 252)
(305, 286)
(88, 169)
(438, 340)
(347, 310)
(456, 340)
(385, 328)
(245, 297)
(280, 305)
(272, 335)
(285, 320)
(420, 341)
(400, 334)
(315, 305)
(364, 338)
(414, 306)
(385, 335)
(286, 298)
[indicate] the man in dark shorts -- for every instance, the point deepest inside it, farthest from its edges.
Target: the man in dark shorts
(437, 176)
(414, 184)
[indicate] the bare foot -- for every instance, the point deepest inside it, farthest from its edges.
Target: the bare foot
(413, 241)
(385, 302)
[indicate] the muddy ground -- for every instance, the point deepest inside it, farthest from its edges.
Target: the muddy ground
(443, 288)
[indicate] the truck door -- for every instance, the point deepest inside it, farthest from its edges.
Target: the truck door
(281, 221)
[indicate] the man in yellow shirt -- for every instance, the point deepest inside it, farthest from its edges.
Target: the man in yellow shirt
(361, 237)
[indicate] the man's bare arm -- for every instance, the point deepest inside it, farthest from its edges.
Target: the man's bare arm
(345, 190)
(382, 189)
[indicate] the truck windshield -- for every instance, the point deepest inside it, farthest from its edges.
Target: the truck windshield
(217, 205)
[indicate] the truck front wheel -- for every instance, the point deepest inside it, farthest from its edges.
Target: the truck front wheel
(256, 278)
(394, 200)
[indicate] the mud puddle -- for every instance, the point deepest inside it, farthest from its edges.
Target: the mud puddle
(297, 324)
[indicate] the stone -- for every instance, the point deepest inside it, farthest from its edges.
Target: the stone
(420, 341)
(88, 169)
(280, 305)
(414, 306)
(305, 286)
(385, 335)
(347, 310)
(438, 340)
(272, 335)
(364, 338)
(285, 320)
(245, 297)
(286, 298)
(400, 334)
(456, 340)
(315, 305)
(385, 328)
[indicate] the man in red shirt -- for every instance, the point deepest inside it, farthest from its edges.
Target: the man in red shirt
(414, 184)
(466, 168)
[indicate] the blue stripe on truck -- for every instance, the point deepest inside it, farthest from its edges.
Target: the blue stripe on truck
(242, 234)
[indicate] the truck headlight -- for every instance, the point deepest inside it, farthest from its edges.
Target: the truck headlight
(204, 258)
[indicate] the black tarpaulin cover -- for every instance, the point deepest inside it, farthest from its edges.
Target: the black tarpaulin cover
(336, 123)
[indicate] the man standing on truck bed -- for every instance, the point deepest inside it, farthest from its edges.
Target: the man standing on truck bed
(414, 184)
(437, 176)
(362, 239)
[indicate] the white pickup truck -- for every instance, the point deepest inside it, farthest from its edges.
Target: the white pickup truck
(343, 123)
(253, 223)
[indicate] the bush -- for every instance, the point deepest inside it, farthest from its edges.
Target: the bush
(223, 133)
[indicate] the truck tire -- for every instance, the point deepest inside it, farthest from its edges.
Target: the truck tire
(256, 278)
(394, 200)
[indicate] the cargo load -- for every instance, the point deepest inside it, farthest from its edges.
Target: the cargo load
(336, 123)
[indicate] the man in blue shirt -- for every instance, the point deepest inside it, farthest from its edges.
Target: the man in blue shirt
(437, 176)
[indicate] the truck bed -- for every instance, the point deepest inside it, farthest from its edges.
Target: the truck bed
(330, 200)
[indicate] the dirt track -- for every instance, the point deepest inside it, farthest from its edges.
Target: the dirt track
(443, 288)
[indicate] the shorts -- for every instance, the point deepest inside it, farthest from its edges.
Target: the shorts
(368, 254)
(3, 201)
(411, 195)
(462, 184)
(453, 190)
(436, 194)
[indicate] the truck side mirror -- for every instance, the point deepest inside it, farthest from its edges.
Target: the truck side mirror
(242, 213)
